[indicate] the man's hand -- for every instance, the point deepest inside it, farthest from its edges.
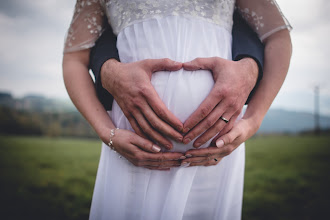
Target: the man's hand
(130, 85)
(234, 80)
(223, 145)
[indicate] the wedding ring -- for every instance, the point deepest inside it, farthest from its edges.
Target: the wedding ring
(224, 119)
(215, 159)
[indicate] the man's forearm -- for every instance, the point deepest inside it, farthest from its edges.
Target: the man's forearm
(245, 44)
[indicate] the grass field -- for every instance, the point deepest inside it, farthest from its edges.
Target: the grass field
(43, 178)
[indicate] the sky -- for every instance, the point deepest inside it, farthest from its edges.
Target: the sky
(32, 36)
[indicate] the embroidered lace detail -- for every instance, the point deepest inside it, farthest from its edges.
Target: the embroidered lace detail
(86, 24)
(122, 13)
(264, 16)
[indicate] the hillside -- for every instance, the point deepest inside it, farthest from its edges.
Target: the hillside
(40, 115)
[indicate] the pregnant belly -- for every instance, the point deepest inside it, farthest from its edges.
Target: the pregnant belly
(179, 39)
(182, 91)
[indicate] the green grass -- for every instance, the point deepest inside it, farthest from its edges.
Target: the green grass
(45, 178)
(287, 178)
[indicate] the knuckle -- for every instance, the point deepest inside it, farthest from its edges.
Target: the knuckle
(146, 129)
(230, 139)
(198, 60)
(166, 61)
(224, 92)
(138, 157)
(237, 106)
(204, 111)
(160, 112)
(228, 150)
(209, 123)
(232, 104)
(161, 158)
(144, 90)
(147, 146)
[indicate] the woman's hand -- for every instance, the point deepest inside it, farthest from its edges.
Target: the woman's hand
(225, 144)
(143, 153)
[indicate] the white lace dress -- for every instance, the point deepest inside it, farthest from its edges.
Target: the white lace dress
(180, 30)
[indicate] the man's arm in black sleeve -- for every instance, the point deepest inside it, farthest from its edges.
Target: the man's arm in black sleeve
(247, 44)
(105, 48)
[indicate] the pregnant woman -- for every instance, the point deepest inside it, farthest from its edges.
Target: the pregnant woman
(180, 30)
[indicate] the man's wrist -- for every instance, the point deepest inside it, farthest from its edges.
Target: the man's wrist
(252, 68)
(106, 69)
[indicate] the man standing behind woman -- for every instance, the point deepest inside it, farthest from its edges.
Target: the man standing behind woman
(196, 37)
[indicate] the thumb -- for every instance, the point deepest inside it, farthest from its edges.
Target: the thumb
(145, 144)
(227, 138)
(154, 65)
(200, 63)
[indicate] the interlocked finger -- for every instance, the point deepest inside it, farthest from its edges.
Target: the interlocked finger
(163, 164)
(203, 161)
(157, 157)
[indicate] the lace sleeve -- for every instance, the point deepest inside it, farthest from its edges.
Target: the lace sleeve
(86, 25)
(264, 16)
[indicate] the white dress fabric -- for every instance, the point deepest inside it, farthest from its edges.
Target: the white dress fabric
(124, 191)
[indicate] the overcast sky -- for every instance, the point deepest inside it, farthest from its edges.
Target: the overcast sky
(32, 35)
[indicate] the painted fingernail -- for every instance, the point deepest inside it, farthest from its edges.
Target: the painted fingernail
(182, 157)
(220, 143)
(186, 141)
(188, 155)
(185, 130)
(155, 148)
(185, 164)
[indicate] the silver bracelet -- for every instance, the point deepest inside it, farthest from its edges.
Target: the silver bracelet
(112, 134)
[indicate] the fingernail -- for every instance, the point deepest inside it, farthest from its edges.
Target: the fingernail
(168, 146)
(176, 63)
(185, 164)
(185, 130)
(188, 155)
(220, 143)
(186, 141)
(197, 144)
(179, 139)
(155, 148)
(182, 157)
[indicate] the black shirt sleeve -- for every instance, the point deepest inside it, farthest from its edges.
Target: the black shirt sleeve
(105, 48)
(247, 44)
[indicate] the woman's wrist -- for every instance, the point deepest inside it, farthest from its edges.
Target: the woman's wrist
(254, 121)
(104, 133)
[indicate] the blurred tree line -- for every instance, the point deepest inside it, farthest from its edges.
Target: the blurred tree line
(54, 124)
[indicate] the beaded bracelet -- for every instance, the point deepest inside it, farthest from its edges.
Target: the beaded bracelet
(112, 134)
